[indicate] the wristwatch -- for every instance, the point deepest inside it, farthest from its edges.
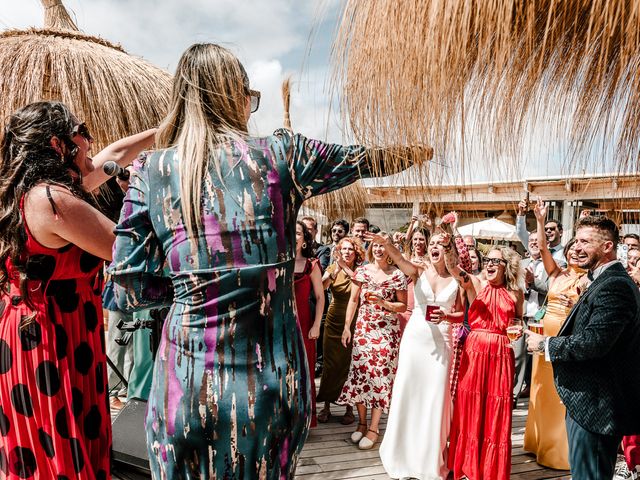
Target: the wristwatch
(541, 345)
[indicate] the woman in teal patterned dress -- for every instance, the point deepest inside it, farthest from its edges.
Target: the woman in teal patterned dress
(211, 217)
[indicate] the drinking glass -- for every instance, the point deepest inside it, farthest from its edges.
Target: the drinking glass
(514, 330)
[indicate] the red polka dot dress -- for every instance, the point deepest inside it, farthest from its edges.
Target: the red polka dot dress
(54, 416)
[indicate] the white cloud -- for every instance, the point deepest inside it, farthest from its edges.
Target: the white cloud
(270, 37)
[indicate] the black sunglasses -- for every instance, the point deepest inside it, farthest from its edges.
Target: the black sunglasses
(337, 230)
(82, 130)
(255, 100)
(494, 261)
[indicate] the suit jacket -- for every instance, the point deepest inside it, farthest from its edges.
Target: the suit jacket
(596, 356)
(323, 254)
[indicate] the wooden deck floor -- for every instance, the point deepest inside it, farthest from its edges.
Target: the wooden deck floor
(330, 455)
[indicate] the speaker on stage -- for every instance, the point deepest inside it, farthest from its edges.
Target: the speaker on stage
(129, 437)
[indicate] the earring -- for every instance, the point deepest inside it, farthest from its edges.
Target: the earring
(389, 261)
(304, 245)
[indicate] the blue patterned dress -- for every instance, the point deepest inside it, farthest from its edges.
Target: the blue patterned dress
(231, 392)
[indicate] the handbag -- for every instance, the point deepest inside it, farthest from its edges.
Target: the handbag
(540, 313)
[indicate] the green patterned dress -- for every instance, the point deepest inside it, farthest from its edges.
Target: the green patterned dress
(231, 391)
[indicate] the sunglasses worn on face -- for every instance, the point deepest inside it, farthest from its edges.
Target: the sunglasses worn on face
(493, 261)
(549, 229)
(82, 130)
(255, 100)
(337, 230)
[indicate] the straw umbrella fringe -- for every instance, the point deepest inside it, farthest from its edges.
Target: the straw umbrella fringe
(349, 202)
(409, 70)
(114, 93)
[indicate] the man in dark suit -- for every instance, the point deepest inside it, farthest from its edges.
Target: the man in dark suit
(596, 355)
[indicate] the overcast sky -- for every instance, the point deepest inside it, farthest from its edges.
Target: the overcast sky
(271, 37)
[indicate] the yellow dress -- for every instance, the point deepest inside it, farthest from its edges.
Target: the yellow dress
(545, 432)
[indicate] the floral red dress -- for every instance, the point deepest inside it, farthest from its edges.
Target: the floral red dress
(374, 357)
(54, 415)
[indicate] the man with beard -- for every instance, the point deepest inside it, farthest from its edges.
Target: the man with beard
(359, 227)
(339, 229)
(596, 355)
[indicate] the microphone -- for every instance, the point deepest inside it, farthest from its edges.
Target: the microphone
(114, 170)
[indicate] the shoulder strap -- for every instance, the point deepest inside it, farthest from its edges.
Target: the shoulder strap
(50, 198)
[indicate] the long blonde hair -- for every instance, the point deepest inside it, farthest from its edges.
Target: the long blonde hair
(208, 102)
(513, 271)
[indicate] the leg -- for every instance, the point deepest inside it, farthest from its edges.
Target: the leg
(361, 429)
(348, 417)
(325, 414)
(592, 456)
(368, 441)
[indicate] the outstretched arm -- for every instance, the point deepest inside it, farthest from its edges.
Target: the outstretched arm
(521, 223)
(550, 265)
(123, 152)
(408, 268)
(469, 283)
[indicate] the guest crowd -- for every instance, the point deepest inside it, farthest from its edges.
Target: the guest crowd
(440, 332)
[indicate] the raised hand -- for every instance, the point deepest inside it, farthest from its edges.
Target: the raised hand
(540, 209)
(375, 238)
(523, 206)
(584, 213)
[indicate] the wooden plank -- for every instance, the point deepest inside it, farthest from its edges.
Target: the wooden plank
(330, 455)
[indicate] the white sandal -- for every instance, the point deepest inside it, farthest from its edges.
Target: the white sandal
(366, 443)
(358, 435)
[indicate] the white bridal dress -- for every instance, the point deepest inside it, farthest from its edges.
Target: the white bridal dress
(415, 440)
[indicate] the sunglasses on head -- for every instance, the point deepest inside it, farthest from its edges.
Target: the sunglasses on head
(494, 261)
(255, 99)
(82, 130)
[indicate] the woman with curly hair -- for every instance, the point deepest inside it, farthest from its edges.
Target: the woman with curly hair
(480, 438)
(348, 255)
(54, 416)
(308, 279)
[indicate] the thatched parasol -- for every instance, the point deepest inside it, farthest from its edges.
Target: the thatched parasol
(421, 70)
(116, 94)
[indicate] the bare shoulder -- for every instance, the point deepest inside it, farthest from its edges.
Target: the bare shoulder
(46, 197)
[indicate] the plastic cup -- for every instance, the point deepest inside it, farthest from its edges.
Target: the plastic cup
(432, 307)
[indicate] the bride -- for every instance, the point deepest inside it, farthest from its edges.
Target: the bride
(415, 440)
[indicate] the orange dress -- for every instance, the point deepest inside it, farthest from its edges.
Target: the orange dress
(480, 438)
(545, 434)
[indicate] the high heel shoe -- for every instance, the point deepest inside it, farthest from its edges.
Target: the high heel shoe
(366, 443)
(358, 435)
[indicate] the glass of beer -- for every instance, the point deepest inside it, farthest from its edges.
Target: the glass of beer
(514, 330)
(536, 327)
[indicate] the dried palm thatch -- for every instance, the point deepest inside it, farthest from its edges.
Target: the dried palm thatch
(349, 202)
(420, 71)
(114, 93)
